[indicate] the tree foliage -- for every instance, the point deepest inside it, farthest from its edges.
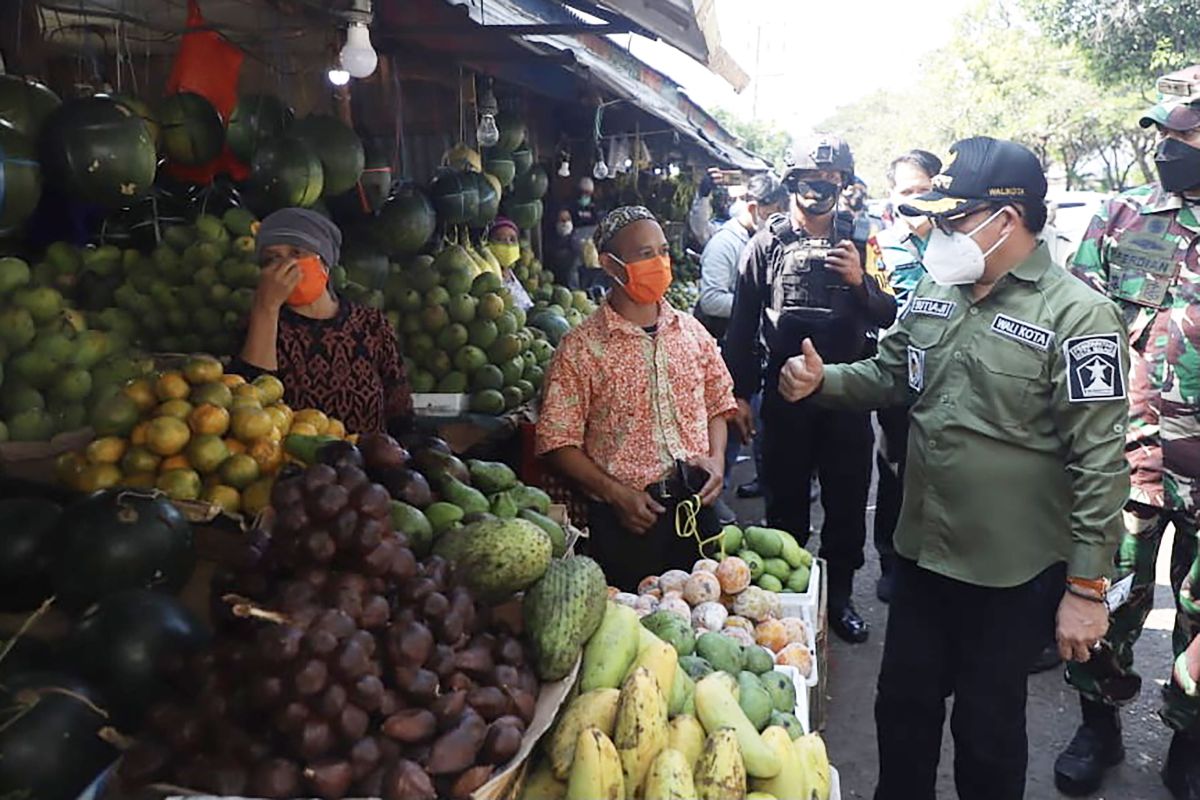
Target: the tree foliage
(999, 76)
(1122, 41)
(760, 137)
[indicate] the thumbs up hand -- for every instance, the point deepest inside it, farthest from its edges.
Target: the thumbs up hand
(802, 374)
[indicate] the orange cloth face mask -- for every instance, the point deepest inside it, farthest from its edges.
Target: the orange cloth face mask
(649, 278)
(313, 280)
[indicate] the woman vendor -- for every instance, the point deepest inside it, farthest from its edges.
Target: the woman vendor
(504, 241)
(331, 354)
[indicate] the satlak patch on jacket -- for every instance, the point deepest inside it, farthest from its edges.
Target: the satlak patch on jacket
(1026, 333)
(932, 307)
(1094, 368)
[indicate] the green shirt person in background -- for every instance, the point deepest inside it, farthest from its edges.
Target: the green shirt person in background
(1143, 251)
(1016, 476)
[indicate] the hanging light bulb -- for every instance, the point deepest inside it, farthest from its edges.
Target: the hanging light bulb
(358, 56)
(600, 171)
(487, 134)
(564, 169)
(338, 76)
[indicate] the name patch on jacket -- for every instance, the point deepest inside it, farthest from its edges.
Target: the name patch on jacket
(931, 307)
(1094, 368)
(1026, 333)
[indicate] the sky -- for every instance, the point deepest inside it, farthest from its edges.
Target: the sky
(809, 57)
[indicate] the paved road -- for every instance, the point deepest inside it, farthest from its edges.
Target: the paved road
(1053, 710)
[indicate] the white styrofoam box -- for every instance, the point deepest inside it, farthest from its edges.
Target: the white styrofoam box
(835, 784)
(440, 405)
(805, 604)
(801, 711)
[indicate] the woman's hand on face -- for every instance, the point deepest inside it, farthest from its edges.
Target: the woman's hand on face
(276, 283)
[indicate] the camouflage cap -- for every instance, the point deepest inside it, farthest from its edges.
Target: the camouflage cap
(1174, 115)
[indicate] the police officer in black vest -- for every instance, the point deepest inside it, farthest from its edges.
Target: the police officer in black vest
(803, 277)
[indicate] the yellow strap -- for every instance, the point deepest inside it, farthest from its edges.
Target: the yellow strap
(687, 524)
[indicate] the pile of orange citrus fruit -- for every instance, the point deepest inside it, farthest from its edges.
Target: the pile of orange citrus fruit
(196, 433)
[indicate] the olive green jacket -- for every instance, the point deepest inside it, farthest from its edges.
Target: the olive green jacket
(1018, 411)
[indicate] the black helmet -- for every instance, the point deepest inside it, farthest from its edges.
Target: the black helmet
(821, 151)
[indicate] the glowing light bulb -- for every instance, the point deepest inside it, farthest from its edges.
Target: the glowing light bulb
(358, 56)
(487, 134)
(338, 76)
(564, 169)
(600, 171)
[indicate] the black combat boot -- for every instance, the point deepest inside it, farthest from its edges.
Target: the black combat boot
(1079, 770)
(1181, 773)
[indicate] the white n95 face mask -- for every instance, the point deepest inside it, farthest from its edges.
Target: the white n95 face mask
(954, 259)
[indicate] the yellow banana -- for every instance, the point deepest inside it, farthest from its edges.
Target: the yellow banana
(542, 785)
(641, 729)
(815, 760)
(660, 658)
(717, 709)
(670, 777)
(596, 773)
(792, 782)
(720, 774)
(686, 734)
(594, 709)
(611, 650)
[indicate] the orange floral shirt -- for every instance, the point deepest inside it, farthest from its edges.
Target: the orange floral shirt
(635, 402)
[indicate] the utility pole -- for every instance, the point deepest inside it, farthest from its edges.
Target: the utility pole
(757, 70)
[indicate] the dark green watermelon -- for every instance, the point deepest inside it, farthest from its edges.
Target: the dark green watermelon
(489, 200)
(366, 267)
(99, 152)
(337, 145)
(533, 185)
(406, 222)
(501, 165)
(523, 159)
(193, 132)
(142, 109)
(455, 196)
(284, 172)
(376, 180)
(527, 214)
(124, 646)
(27, 550)
(20, 179)
(116, 540)
(512, 131)
(256, 118)
(25, 103)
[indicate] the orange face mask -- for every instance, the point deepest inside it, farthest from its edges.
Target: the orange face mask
(649, 278)
(313, 280)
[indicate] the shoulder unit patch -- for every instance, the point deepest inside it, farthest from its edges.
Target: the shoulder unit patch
(1094, 368)
(1026, 333)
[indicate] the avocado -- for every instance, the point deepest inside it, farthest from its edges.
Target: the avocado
(468, 498)
(491, 477)
(531, 497)
(442, 516)
(764, 541)
(409, 521)
(754, 700)
(722, 652)
(781, 688)
(558, 537)
(503, 505)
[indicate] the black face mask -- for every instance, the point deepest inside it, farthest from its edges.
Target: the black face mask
(1178, 166)
(825, 195)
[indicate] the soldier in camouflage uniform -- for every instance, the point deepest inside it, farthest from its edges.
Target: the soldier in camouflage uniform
(1143, 251)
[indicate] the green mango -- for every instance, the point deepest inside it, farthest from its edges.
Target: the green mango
(672, 629)
(777, 567)
(731, 539)
(754, 700)
(491, 477)
(764, 541)
(531, 497)
(799, 579)
(781, 688)
(414, 525)
(787, 721)
(791, 552)
(769, 583)
(695, 667)
(443, 516)
(503, 505)
(754, 561)
(757, 659)
(722, 652)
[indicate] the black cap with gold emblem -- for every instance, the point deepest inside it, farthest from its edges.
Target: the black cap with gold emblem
(981, 171)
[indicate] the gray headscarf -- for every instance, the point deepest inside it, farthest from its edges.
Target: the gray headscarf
(301, 228)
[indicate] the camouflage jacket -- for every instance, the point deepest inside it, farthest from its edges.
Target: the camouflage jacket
(1141, 250)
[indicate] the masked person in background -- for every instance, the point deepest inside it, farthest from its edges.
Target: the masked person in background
(803, 276)
(899, 248)
(329, 353)
(634, 411)
(1143, 251)
(561, 251)
(504, 240)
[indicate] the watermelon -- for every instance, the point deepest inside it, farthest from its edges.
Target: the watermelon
(553, 325)
(20, 179)
(338, 147)
(99, 152)
(406, 222)
(285, 172)
(502, 167)
(512, 132)
(489, 198)
(142, 109)
(366, 267)
(193, 132)
(522, 159)
(533, 185)
(255, 119)
(25, 104)
(527, 215)
(27, 549)
(455, 196)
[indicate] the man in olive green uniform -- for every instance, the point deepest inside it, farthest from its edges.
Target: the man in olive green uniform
(1016, 476)
(1141, 250)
